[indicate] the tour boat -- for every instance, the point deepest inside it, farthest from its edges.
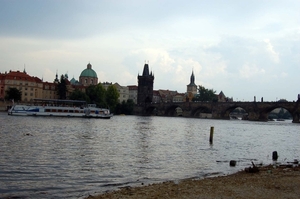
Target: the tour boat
(60, 108)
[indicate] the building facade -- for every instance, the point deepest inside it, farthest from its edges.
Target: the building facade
(123, 91)
(133, 90)
(30, 87)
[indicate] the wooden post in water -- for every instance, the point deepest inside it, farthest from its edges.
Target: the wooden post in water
(274, 155)
(211, 136)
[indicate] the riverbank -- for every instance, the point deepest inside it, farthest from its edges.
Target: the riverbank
(269, 183)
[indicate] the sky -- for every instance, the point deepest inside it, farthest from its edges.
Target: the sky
(243, 48)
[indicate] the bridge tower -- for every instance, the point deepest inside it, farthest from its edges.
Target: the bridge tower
(145, 86)
(191, 88)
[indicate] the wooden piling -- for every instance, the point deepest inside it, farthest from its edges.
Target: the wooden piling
(274, 155)
(211, 136)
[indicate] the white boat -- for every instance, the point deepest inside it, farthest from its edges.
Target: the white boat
(60, 108)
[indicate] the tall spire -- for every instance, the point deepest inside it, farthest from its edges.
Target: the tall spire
(56, 78)
(192, 78)
(24, 71)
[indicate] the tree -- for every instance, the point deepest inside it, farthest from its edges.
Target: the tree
(125, 107)
(112, 96)
(62, 88)
(205, 94)
(96, 94)
(13, 94)
(79, 95)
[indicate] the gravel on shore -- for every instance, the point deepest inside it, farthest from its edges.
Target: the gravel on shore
(270, 182)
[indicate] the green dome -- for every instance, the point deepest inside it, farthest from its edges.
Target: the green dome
(88, 72)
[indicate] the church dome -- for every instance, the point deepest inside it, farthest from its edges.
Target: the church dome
(88, 72)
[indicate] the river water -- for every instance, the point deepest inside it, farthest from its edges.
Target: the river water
(43, 157)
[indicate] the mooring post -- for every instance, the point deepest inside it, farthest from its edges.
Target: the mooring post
(274, 155)
(211, 136)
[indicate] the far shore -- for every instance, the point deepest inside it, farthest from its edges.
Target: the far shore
(270, 182)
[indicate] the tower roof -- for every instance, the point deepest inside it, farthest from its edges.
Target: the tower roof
(146, 70)
(192, 80)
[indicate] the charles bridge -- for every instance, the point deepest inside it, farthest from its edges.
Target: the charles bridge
(256, 111)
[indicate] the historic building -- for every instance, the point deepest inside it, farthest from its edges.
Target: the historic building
(133, 90)
(30, 87)
(191, 88)
(88, 76)
(145, 86)
(123, 91)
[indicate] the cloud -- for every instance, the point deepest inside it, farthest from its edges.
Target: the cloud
(249, 71)
(270, 50)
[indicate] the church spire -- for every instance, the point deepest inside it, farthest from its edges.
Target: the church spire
(56, 78)
(192, 81)
(24, 71)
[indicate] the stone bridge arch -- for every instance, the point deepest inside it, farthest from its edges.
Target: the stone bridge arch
(173, 110)
(226, 113)
(257, 111)
(265, 112)
(202, 112)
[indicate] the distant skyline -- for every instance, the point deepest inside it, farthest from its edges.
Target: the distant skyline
(243, 48)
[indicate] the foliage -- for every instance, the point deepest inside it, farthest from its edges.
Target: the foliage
(112, 96)
(125, 107)
(96, 94)
(79, 95)
(13, 94)
(62, 88)
(205, 94)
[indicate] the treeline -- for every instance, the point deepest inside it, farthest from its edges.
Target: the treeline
(97, 94)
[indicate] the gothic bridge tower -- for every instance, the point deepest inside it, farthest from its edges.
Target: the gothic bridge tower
(191, 88)
(145, 86)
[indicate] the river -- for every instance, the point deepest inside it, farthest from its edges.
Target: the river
(44, 157)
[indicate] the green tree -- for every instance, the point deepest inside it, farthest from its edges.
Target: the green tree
(205, 94)
(112, 96)
(13, 94)
(125, 107)
(79, 95)
(62, 88)
(96, 94)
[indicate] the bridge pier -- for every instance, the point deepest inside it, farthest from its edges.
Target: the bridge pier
(296, 118)
(256, 116)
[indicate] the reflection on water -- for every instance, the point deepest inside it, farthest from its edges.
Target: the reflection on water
(72, 158)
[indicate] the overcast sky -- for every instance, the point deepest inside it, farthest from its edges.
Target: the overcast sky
(243, 48)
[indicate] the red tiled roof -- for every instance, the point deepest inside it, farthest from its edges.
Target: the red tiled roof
(17, 75)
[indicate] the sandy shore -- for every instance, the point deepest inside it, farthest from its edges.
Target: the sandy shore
(268, 183)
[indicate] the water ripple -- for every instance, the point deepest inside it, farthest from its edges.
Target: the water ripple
(72, 158)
